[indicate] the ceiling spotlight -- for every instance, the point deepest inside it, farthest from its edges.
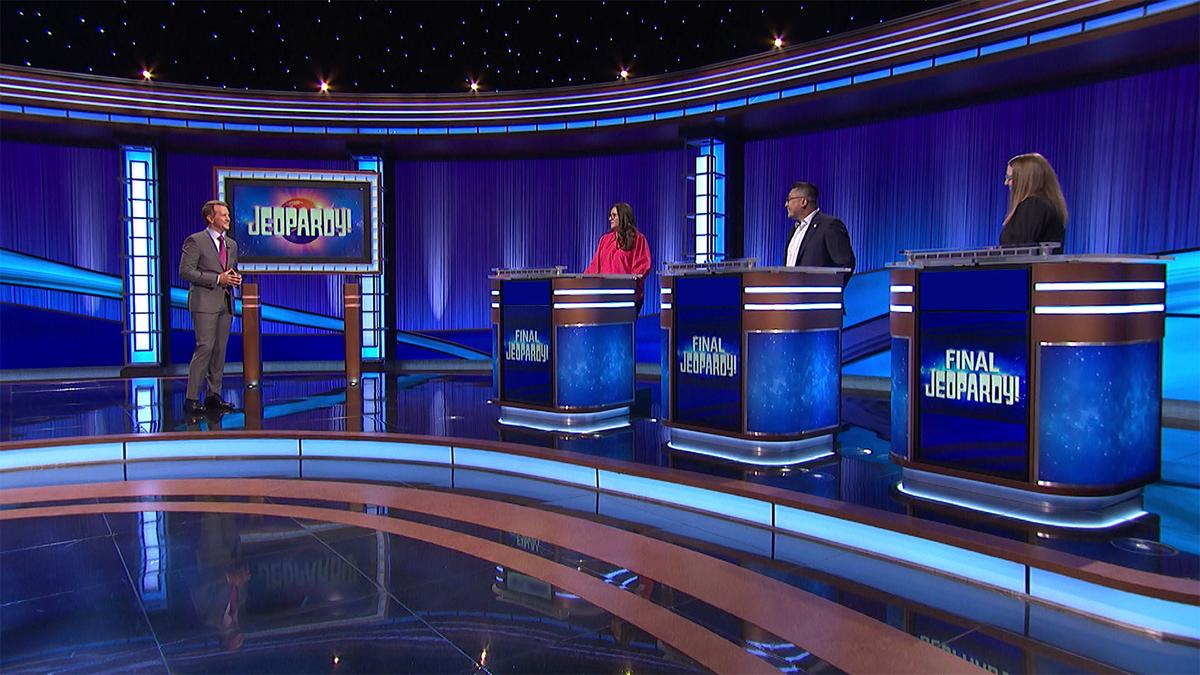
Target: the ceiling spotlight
(474, 86)
(147, 75)
(624, 74)
(778, 42)
(324, 87)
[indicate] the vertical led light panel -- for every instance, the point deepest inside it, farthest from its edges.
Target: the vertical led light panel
(372, 286)
(707, 157)
(142, 315)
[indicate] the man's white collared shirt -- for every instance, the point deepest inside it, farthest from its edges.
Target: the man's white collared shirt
(793, 249)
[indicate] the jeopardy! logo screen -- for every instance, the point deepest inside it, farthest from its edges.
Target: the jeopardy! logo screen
(974, 370)
(281, 220)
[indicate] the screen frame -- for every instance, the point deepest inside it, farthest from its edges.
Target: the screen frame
(369, 264)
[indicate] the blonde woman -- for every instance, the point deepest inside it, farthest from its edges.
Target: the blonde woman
(1037, 211)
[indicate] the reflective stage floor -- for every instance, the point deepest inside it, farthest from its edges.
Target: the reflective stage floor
(228, 580)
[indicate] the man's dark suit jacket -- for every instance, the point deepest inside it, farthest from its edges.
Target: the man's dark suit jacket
(826, 244)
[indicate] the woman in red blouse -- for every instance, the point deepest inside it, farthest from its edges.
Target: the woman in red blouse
(622, 250)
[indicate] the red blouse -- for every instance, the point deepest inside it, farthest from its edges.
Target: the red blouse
(610, 259)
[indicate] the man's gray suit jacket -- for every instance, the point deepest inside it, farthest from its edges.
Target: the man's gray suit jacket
(200, 265)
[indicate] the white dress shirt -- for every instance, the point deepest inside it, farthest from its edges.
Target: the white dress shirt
(793, 249)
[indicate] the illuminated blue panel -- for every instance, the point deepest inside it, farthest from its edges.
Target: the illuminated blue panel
(735, 103)
(275, 128)
(793, 381)
(668, 115)
(833, 84)
(230, 126)
(581, 124)
(1170, 618)
(197, 124)
(764, 98)
(372, 130)
(701, 499)
(797, 91)
(88, 115)
(402, 131)
(551, 126)
(10, 108)
(634, 119)
(1181, 368)
(948, 559)
(373, 328)
(1003, 46)
(528, 466)
(1183, 284)
(610, 122)
(518, 128)
(594, 365)
(912, 67)
(48, 112)
(222, 447)
(493, 130)
(699, 109)
(873, 75)
(955, 57)
(458, 131)
(900, 404)
(26, 458)
(1098, 413)
(143, 318)
(1055, 33)
(407, 452)
(1165, 5)
(1111, 19)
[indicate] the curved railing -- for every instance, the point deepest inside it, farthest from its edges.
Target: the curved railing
(1148, 601)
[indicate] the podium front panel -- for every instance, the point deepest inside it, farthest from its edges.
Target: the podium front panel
(525, 327)
(973, 347)
(708, 352)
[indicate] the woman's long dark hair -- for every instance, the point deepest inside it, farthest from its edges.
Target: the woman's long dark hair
(626, 226)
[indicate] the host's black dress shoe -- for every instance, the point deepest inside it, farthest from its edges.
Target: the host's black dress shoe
(216, 403)
(193, 407)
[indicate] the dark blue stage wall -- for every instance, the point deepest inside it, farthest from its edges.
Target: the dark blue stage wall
(188, 184)
(1126, 151)
(61, 203)
(455, 220)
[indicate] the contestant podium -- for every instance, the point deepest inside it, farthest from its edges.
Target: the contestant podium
(1027, 384)
(752, 360)
(563, 349)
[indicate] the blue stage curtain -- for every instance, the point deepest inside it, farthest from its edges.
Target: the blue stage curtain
(188, 184)
(456, 220)
(1126, 151)
(62, 203)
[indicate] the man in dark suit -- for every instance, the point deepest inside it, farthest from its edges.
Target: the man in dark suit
(209, 263)
(818, 239)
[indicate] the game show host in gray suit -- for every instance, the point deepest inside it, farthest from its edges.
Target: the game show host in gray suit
(209, 263)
